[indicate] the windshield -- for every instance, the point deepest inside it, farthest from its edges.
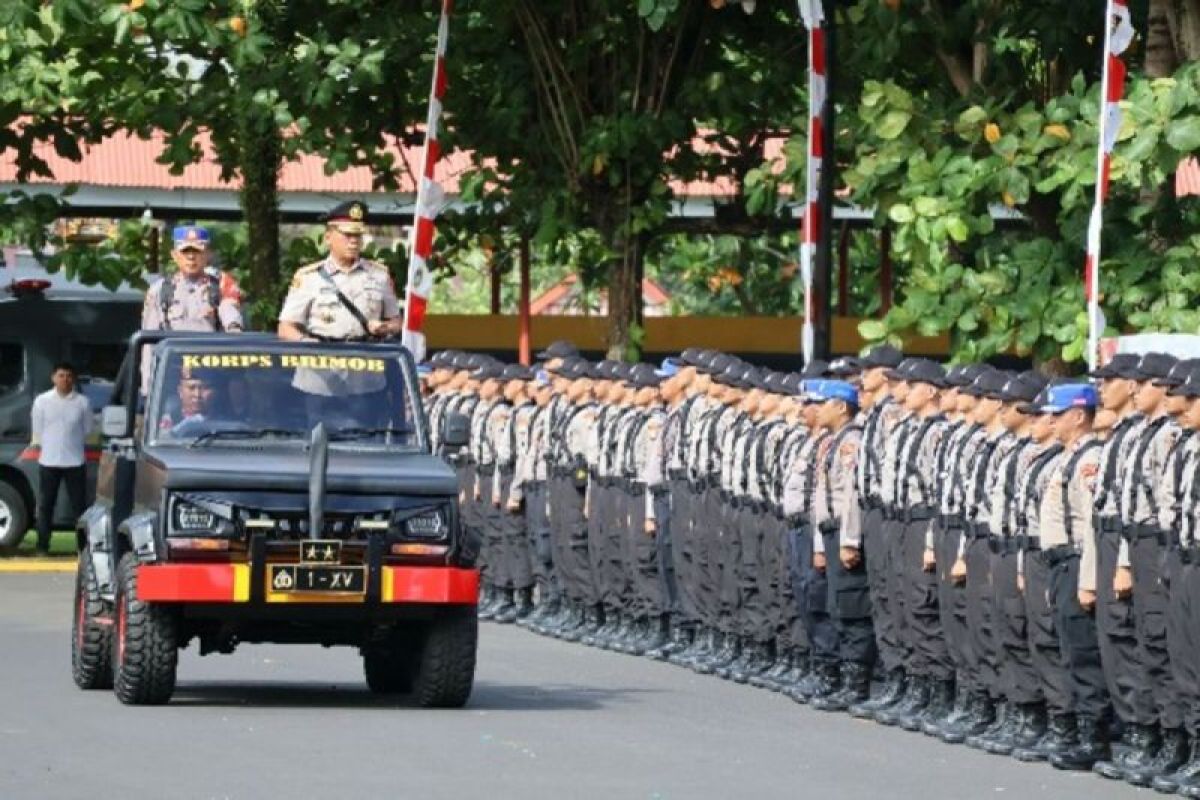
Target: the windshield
(239, 399)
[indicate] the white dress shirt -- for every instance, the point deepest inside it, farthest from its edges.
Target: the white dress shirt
(61, 424)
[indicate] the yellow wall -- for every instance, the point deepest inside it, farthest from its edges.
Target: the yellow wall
(770, 335)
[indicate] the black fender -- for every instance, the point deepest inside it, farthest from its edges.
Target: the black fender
(95, 536)
(139, 531)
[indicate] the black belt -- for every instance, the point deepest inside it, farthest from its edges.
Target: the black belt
(1136, 533)
(1057, 555)
(919, 514)
(976, 530)
(1004, 545)
(1030, 544)
(1110, 525)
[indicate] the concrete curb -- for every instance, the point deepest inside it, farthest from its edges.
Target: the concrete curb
(33, 565)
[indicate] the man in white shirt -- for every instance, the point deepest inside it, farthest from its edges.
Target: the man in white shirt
(62, 420)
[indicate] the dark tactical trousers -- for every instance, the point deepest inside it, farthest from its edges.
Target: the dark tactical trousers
(729, 563)
(683, 557)
(849, 606)
(1080, 643)
(492, 572)
(926, 643)
(708, 565)
(537, 527)
(571, 556)
(622, 548)
(1147, 559)
(667, 589)
(1133, 702)
(752, 573)
(598, 519)
(877, 555)
(1018, 679)
(790, 628)
(952, 600)
(1045, 645)
(811, 589)
(469, 513)
(516, 552)
(646, 583)
(981, 616)
(1182, 574)
(899, 587)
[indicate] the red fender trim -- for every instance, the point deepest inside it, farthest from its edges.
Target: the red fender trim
(442, 585)
(193, 583)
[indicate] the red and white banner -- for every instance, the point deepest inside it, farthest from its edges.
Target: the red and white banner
(430, 200)
(813, 14)
(1118, 34)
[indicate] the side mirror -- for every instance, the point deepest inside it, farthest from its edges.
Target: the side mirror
(456, 431)
(114, 422)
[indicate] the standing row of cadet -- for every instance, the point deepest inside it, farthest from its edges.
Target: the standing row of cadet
(1014, 560)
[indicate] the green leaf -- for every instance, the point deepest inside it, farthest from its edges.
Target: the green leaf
(901, 214)
(1184, 135)
(893, 124)
(958, 229)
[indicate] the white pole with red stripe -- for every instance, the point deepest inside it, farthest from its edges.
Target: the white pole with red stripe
(812, 12)
(430, 199)
(1118, 34)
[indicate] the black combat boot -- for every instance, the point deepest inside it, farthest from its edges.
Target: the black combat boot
(488, 597)
(856, 687)
(620, 634)
(774, 671)
(606, 631)
(955, 714)
(1091, 746)
(916, 697)
(824, 679)
(505, 609)
(569, 619)
(1172, 753)
(729, 653)
(1059, 736)
(659, 634)
(1143, 742)
(688, 655)
(679, 640)
(638, 631)
(700, 655)
(891, 692)
(1002, 718)
(523, 602)
(941, 701)
(909, 718)
(594, 621)
(1028, 729)
(718, 651)
(981, 713)
(799, 667)
(1186, 776)
(754, 663)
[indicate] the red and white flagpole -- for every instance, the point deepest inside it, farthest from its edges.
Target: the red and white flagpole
(812, 12)
(1118, 33)
(430, 198)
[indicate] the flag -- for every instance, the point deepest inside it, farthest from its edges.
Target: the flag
(430, 201)
(813, 15)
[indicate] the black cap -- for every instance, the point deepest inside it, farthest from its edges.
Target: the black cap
(488, 370)
(694, 356)
(845, 367)
(1122, 365)
(817, 368)
(1179, 373)
(1155, 366)
(642, 376)
(793, 384)
(1024, 388)
(1189, 388)
(882, 356)
(1042, 399)
(965, 374)
(923, 370)
(774, 382)
(516, 372)
(901, 370)
(718, 363)
(574, 368)
(443, 359)
(990, 384)
(347, 217)
(733, 374)
(560, 349)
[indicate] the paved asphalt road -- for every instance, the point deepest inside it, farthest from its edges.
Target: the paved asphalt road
(547, 720)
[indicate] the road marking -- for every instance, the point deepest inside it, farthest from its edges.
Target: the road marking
(38, 565)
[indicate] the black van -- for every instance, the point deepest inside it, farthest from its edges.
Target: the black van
(45, 319)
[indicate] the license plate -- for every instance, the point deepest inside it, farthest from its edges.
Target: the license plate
(320, 580)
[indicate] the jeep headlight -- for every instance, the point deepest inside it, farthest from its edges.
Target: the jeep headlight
(430, 525)
(189, 519)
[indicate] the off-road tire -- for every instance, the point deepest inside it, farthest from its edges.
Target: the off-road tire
(145, 653)
(12, 506)
(447, 666)
(91, 641)
(390, 666)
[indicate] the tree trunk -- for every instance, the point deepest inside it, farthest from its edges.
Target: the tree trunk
(1161, 59)
(625, 298)
(261, 159)
(1185, 29)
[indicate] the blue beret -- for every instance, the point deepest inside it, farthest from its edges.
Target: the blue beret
(190, 236)
(1070, 395)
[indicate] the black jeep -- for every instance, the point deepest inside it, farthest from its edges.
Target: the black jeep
(267, 491)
